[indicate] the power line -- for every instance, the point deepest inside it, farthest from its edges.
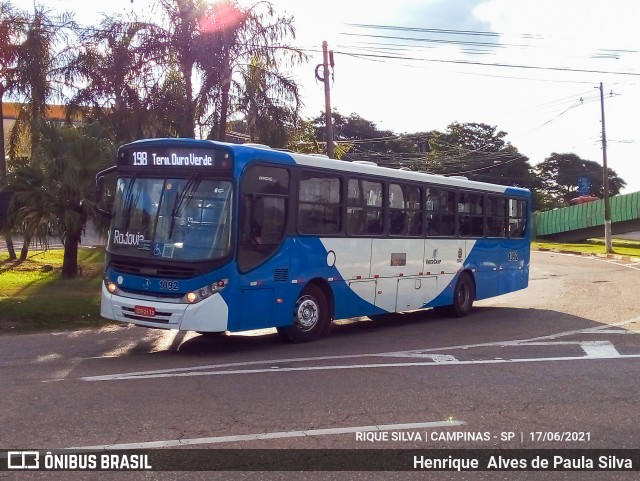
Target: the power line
(427, 30)
(483, 64)
(433, 40)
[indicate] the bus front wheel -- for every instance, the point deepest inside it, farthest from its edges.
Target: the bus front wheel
(310, 317)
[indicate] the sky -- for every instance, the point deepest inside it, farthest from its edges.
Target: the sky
(531, 68)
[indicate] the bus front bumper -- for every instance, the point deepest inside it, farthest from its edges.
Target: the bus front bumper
(209, 315)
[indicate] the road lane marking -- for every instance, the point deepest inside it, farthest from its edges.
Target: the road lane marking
(123, 377)
(410, 354)
(438, 358)
(274, 435)
(600, 349)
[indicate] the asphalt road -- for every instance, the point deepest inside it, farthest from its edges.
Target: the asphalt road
(554, 366)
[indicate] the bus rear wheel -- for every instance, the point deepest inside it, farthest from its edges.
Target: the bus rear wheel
(310, 317)
(463, 295)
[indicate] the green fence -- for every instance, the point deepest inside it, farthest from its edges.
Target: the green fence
(623, 208)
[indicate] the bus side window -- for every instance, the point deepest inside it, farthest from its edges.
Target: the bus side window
(517, 218)
(364, 207)
(373, 205)
(405, 210)
(397, 213)
(441, 212)
(319, 204)
(496, 211)
(273, 220)
(470, 214)
(355, 220)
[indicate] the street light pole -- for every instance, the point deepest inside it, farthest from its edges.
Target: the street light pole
(605, 181)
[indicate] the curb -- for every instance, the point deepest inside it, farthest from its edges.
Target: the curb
(618, 257)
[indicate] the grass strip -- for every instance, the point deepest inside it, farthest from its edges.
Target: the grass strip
(33, 296)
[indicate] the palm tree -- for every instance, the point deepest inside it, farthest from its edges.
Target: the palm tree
(270, 102)
(35, 82)
(256, 42)
(115, 68)
(211, 42)
(192, 49)
(11, 27)
(58, 192)
(37, 74)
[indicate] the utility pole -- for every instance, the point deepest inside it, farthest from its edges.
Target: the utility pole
(605, 181)
(327, 57)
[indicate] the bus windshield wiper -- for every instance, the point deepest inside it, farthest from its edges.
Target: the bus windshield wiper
(128, 202)
(181, 199)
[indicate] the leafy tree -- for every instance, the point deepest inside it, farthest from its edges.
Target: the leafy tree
(56, 194)
(303, 139)
(353, 127)
(360, 139)
(559, 174)
(475, 150)
(480, 152)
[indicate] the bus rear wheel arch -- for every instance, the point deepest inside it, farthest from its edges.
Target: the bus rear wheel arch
(311, 316)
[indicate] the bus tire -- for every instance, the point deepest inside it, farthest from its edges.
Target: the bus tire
(311, 317)
(463, 295)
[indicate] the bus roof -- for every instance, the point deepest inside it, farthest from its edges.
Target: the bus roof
(324, 162)
(403, 174)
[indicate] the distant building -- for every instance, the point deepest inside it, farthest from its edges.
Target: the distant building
(11, 110)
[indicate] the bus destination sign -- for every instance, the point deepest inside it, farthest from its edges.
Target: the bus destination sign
(182, 158)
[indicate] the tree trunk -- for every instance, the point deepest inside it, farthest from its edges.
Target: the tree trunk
(3, 157)
(24, 252)
(3, 174)
(188, 127)
(70, 256)
(226, 86)
(10, 248)
(224, 107)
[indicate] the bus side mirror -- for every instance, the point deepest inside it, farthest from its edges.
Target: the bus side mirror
(100, 190)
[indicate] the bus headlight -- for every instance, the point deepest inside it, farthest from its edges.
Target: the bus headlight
(111, 286)
(204, 292)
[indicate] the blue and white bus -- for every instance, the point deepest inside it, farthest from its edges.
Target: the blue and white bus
(213, 237)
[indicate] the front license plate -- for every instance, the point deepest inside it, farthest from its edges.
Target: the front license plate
(145, 311)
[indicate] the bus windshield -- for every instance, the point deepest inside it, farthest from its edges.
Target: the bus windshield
(181, 219)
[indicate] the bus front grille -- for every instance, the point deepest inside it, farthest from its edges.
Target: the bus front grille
(153, 270)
